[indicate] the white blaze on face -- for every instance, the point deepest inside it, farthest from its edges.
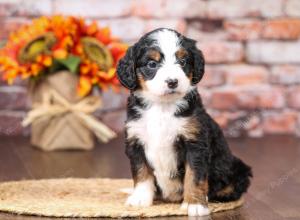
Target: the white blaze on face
(169, 44)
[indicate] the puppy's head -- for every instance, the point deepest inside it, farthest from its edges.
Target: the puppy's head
(163, 65)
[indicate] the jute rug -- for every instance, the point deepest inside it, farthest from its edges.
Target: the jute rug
(83, 198)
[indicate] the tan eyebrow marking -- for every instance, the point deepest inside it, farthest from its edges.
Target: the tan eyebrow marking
(181, 53)
(154, 54)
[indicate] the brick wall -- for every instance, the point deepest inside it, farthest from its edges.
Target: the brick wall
(252, 81)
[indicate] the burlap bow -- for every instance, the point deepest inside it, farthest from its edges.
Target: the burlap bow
(54, 104)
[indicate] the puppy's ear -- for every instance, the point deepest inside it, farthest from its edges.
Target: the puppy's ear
(199, 63)
(126, 70)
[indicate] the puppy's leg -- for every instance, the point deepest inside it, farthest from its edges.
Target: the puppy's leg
(144, 187)
(196, 184)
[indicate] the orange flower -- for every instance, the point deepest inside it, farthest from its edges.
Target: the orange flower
(118, 50)
(92, 29)
(107, 75)
(44, 60)
(85, 67)
(10, 76)
(65, 40)
(78, 50)
(84, 86)
(60, 54)
(104, 35)
(35, 69)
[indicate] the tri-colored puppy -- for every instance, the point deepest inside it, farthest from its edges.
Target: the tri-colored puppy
(177, 151)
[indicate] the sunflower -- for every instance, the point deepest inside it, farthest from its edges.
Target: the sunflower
(53, 43)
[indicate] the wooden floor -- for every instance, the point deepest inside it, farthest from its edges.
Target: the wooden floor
(274, 193)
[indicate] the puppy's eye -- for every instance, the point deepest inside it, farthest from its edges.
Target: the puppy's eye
(152, 64)
(182, 62)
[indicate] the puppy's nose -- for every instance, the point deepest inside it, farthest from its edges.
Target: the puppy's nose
(172, 83)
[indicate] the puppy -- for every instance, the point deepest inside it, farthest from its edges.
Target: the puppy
(177, 151)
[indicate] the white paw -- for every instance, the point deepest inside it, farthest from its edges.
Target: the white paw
(139, 199)
(195, 209)
(142, 195)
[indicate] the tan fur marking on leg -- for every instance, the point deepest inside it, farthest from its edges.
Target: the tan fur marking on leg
(144, 173)
(176, 195)
(194, 192)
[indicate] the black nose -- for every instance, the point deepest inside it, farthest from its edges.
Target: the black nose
(172, 83)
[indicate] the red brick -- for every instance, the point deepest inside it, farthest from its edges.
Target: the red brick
(244, 8)
(285, 74)
(238, 123)
(167, 8)
(270, 52)
(132, 28)
(177, 24)
(221, 119)
(206, 30)
(245, 74)
(10, 123)
(222, 52)
(94, 8)
(242, 124)
(205, 95)
(244, 29)
(224, 100)
(250, 97)
(9, 25)
(25, 8)
(254, 126)
(6, 8)
(201, 35)
(286, 29)
(14, 98)
(292, 8)
(271, 98)
(224, 119)
(261, 97)
(293, 97)
(280, 123)
(297, 132)
(127, 29)
(214, 76)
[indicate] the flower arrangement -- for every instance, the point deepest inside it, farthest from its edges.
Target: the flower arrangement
(56, 43)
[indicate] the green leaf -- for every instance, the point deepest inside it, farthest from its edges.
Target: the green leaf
(71, 63)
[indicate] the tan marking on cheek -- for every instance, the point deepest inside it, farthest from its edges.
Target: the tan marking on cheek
(181, 53)
(194, 192)
(191, 129)
(142, 82)
(190, 76)
(154, 55)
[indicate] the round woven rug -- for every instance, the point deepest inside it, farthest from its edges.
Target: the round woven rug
(83, 198)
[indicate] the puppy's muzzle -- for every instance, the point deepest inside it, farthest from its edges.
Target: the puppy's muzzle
(172, 83)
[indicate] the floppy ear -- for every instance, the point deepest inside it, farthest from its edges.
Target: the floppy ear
(126, 70)
(199, 63)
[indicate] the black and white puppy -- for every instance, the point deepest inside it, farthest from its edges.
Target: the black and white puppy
(177, 151)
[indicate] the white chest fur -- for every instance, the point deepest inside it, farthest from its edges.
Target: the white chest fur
(157, 129)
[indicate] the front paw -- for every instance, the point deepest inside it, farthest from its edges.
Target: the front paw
(139, 199)
(195, 209)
